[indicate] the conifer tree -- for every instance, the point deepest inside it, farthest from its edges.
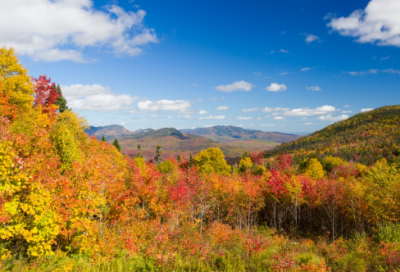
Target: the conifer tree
(158, 154)
(116, 144)
(61, 102)
(139, 153)
(190, 160)
(103, 139)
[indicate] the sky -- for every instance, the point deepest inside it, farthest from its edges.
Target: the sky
(289, 66)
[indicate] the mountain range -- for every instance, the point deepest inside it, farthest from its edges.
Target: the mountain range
(233, 141)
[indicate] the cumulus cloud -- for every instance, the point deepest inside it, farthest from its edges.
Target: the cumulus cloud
(250, 110)
(348, 111)
(311, 38)
(243, 118)
(347, 106)
(59, 30)
(367, 109)
(314, 88)
(187, 117)
(203, 112)
(223, 108)
(304, 69)
(279, 118)
(378, 23)
(96, 98)
(236, 86)
(275, 87)
(308, 124)
(219, 117)
(164, 105)
(333, 119)
(308, 112)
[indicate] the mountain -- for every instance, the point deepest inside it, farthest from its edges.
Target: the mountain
(174, 143)
(244, 138)
(365, 138)
(111, 131)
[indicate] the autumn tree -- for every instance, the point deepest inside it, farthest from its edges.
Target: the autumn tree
(61, 102)
(212, 160)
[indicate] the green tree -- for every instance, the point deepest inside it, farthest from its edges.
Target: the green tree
(116, 144)
(103, 139)
(139, 151)
(212, 160)
(157, 158)
(61, 101)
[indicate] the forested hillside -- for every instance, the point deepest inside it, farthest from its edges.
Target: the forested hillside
(365, 138)
(70, 202)
(230, 133)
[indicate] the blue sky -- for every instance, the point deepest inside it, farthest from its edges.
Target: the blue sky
(289, 66)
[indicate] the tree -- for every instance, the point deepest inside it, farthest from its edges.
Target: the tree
(15, 83)
(212, 160)
(157, 158)
(245, 164)
(139, 153)
(61, 101)
(116, 144)
(103, 139)
(46, 94)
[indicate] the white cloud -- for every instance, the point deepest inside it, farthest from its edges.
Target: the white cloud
(284, 73)
(314, 88)
(60, 30)
(122, 123)
(188, 117)
(386, 58)
(203, 112)
(378, 22)
(223, 108)
(348, 111)
(347, 106)
(243, 118)
(259, 118)
(304, 69)
(275, 87)
(250, 110)
(333, 119)
(360, 73)
(311, 38)
(267, 125)
(309, 112)
(161, 105)
(279, 118)
(308, 124)
(283, 51)
(96, 98)
(236, 86)
(391, 71)
(170, 117)
(367, 109)
(219, 117)
(153, 116)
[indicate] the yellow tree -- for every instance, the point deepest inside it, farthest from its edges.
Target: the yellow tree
(212, 160)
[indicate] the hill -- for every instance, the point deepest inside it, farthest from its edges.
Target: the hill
(111, 131)
(174, 143)
(244, 138)
(365, 138)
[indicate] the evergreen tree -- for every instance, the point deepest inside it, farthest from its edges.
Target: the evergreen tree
(157, 158)
(190, 160)
(61, 101)
(139, 153)
(103, 139)
(116, 144)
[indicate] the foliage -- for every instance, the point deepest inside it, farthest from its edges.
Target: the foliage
(212, 160)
